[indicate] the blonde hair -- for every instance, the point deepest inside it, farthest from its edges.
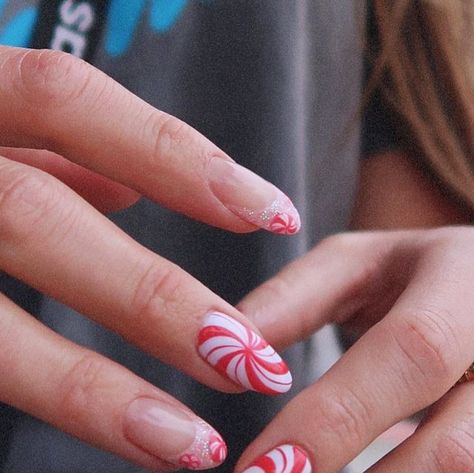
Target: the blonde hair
(426, 60)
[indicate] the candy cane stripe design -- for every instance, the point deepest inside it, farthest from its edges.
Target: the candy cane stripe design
(282, 459)
(240, 354)
(285, 224)
(218, 449)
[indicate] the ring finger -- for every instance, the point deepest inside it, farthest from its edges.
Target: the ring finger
(97, 400)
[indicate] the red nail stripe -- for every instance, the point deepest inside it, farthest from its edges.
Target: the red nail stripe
(239, 353)
(282, 459)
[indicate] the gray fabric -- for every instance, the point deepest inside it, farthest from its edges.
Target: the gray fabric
(276, 84)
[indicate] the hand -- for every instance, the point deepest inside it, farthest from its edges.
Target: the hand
(116, 146)
(409, 294)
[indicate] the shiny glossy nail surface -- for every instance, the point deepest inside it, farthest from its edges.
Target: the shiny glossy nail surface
(252, 198)
(173, 435)
(238, 353)
(283, 459)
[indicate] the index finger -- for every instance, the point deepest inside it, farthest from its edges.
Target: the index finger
(53, 100)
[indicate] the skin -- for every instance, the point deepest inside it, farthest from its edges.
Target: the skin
(408, 295)
(415, 282)
(53, 238)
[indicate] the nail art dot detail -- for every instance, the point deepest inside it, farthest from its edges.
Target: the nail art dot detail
(240, 354)
(207, 451)
(279, 217)
(282, 459)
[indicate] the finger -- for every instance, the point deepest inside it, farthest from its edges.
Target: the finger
(335, 280)
(103, 193)
(52, 100)
(97, 400)
(56, 242)
(444, 444)
(402, 364)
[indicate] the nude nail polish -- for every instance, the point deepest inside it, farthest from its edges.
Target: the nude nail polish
(282, 459)
(252, 198)
(173, 435)
(240, 354)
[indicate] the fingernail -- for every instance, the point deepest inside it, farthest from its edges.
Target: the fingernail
(238, 353)
(173, 435)
(283, 459)
(252, 198)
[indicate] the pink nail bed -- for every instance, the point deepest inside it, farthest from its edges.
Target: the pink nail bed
(252, 198)
(173, 435)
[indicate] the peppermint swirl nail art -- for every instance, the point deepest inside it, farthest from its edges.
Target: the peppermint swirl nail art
(243, 356)
(282, 459)
(284, 223)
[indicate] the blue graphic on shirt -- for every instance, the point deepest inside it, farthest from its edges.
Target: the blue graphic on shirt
(125, 15)
(18, 30)
(122, 21)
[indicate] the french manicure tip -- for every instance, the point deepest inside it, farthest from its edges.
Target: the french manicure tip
(280, 217)
(285, 458)
(238, 353)
(207, 451)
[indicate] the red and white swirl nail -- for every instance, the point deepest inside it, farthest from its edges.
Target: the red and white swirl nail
(283, 459)
(174, 436)
(238, 353)
(252, 198)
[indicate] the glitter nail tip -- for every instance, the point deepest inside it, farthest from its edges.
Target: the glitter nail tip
(279, 217)
(207, 451)
(283, 459)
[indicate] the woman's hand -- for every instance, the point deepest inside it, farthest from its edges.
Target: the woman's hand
(410, 296)
(117, 146)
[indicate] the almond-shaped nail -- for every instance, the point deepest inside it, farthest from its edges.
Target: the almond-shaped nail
(283, 459)
(238, 353)
(252, 198)
(173, 435)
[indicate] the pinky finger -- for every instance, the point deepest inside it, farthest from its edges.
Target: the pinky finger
(97, 400)
(443, 443)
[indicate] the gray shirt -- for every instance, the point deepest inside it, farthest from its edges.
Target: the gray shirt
(276, 84)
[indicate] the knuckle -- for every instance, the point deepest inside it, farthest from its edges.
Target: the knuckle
(51, 78)
(345, 415)
(454, 451)
(429, 347)
(168, 132)
(156, 294)
(26, 196)
(82, 386)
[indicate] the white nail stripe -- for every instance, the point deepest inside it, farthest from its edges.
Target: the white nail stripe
(221, 320)
(230, 346)
(219, 353)
(280, 386)
(284, 459)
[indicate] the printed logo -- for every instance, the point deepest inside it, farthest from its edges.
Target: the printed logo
(122, 21)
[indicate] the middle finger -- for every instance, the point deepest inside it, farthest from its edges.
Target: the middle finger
(56, 242)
